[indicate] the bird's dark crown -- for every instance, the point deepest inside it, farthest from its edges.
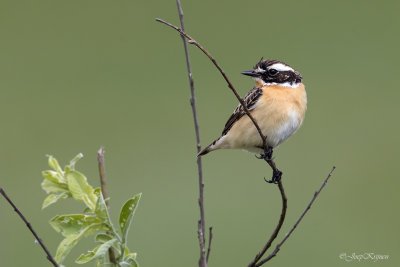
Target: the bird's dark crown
(273, 71)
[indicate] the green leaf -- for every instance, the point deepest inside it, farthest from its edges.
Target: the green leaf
(100, 262)
(70, 241)
(53, 163)
(97, 191)
(102, 238)
(97, 252)
(53, 198)
(51, 187)
(129, 263)
(127, 252)
(80, 189)
(73, 223)
(67, 169)
(101, 208)
(126, 215)
(87, 210)
(131, 256)
(74, 161)
(54, 177)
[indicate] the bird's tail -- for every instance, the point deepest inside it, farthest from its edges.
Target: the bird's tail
(205, 151)
(211, 147)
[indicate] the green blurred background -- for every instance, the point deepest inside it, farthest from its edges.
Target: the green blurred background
(77, 75)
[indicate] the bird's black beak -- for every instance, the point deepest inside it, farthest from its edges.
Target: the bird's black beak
(251, 73)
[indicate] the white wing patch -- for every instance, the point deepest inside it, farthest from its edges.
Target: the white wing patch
(280, 67)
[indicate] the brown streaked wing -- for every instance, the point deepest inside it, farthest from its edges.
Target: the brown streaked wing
(250, 99)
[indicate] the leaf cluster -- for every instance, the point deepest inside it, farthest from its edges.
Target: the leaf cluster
(94, 220)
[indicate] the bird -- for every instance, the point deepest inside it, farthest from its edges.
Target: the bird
(278, 103)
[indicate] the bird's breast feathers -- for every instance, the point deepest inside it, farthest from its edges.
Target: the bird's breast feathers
(279, 112)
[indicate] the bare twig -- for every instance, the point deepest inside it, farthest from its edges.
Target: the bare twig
(210, 236)
(277, 228)
(270, 161)
(38, 239)
(103, 184)
(278, 246)
(201, 224)
(263, 138)
(194, 42)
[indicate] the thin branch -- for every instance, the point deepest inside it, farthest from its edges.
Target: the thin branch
(38, 239)
(194, 42)
(102, 173)
(277, 228)
(201, 225)
(210, 236)
(103, 184)
(276, 172)
(200, 236)
(277, 248)
(269, 160)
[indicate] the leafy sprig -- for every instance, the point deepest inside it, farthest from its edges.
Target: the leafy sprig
(95, 220)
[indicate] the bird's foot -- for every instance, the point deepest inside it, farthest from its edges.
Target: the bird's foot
(267, 155)
(276, 177)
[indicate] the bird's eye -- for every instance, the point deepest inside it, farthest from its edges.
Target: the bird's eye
(272, 72)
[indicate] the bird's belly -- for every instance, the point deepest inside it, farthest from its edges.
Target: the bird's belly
(283, 129)
(276, 126)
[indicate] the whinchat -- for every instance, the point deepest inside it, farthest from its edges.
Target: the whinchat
(278, 103)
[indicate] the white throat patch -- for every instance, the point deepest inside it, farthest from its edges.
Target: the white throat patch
(286, 84)
(259, 80)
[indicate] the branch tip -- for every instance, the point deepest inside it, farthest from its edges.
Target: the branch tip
(201, 223)
(103, 185)
(257, 260)
(28, 224)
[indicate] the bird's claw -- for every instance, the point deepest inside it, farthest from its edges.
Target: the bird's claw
(276, 177)
(259, 157)
(267, 155)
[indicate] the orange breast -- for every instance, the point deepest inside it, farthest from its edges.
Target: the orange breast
(279, 112)
(284, 98)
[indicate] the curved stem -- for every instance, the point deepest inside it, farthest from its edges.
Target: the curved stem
(277, 248)
(256, 261)
(277, 228)
(230, 85)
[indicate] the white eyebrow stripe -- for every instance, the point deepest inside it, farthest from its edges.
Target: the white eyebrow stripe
(280, 67)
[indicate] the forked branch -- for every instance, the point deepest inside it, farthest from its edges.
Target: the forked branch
(277, 228)
(269, 161)
(257, 260)
(201, 223)
(278, 247)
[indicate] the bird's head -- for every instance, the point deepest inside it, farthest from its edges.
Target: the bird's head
(274, 72)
